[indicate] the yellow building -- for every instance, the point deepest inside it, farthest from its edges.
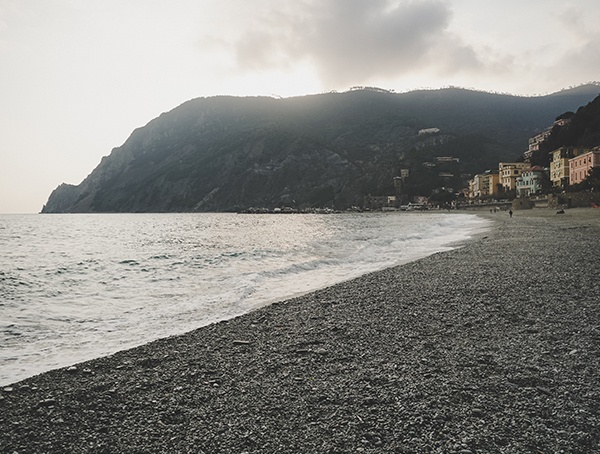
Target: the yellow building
(559, 164)
(484, 185)
(509, 172)
(490, 183)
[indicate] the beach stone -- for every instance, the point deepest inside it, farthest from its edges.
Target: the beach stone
(47, 403)
(241, 342)
(545, 391)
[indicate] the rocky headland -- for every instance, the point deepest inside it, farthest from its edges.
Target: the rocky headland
(332, 150)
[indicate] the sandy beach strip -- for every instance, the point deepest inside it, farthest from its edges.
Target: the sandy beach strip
(493, 347)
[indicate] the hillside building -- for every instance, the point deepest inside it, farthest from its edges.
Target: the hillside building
(530, 181)
(490, 184)
(426, 131)
(559, 164)
(534, 143)
(509, 172)
(538, 139)
(484, 185)
(475, 186)
(580, 166)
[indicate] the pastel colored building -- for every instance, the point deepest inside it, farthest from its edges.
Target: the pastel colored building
(475, 187)
(538, 139)
(580, 166)
(530, 181)
(559, 164)
(490, 183)
(534, 143)
(509, 172)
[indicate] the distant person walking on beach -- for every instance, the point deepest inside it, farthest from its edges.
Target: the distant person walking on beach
(510, 213)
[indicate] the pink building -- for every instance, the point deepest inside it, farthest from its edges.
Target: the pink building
(579, 166)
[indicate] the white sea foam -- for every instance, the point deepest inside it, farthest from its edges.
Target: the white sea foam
(75, 287)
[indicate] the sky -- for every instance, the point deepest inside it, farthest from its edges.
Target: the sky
(78, 76)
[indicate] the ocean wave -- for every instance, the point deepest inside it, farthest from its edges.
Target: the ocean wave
(85, 286)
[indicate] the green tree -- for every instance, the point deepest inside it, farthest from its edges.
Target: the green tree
(592, 181)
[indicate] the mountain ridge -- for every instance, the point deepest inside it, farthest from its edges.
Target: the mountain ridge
(227, 153)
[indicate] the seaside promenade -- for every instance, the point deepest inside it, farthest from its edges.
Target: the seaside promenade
(493, 347)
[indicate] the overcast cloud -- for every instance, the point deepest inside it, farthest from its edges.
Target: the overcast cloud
(357, 42)
(354, 41)
(76, 77)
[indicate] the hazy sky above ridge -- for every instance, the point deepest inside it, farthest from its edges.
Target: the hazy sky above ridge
(76, 76)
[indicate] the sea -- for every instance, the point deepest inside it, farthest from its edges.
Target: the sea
(79, 286)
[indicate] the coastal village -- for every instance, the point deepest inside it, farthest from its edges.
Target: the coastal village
(527, 186)
(565, 183)
(513, 185)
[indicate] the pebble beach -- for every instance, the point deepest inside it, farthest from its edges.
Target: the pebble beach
(493, 347)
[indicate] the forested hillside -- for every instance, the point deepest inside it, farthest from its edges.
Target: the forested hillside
(333, 149)
(583, 130)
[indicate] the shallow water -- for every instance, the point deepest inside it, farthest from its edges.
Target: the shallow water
(75, 287)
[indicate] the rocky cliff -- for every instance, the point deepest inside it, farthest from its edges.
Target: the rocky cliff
(227, 153)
